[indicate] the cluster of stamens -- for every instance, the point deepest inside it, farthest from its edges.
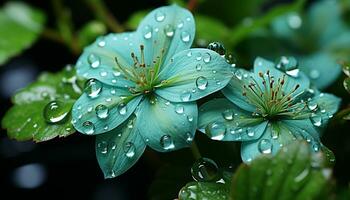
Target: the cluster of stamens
(142, 74)
(270, 100)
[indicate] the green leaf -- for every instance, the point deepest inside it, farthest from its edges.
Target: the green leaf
(135, 19)
(204, 190)
(210, 29)
(21, 26)
(41, 110)
(294, 173)
(90, 31)
(243, 30)
(346, 84)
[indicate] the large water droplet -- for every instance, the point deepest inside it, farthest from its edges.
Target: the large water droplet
(55, 112)
(238, 74)
(216, 130)
(294, 21)
(88, 127)
(169, 30)
(147, 32)
(101, 111)
(102, 147)
(316, 120)
(94, 60)
(129, 149)
(265, 146)
(217, 47)
(312, 106)
(159, 16)
(205, 170)
(201, 83)
(228, 114)
(167, 142)
(206, 57)
(122, 109)
(293, 72)
(186, 96)
(288, 65)
(93, 88)
(198, 67)
(179, 109)
(185, 36)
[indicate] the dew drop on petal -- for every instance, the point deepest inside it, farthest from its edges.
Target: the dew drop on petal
(185, 36)
(94, 61)
(159, 16)
(206, 57)
(129, 149)
(312, 106)
(180, 24)
(265, 146)
(166, 142)
(55, 112)
(93, 88)
(179, 109)
(102, 111)
(147, 32)
(205, 170)
(88, 127)
(198, 67)
(102, 147)
(316, 120)
(122, 109)
(201, 83)
(169, 30)
(216, 130)
(228, 115)
(186, 96)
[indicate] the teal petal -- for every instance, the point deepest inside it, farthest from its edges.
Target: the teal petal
(193, 74)
(98, 59)
(221, 120)
(119, 149)
(322, 69)
(170, 29)
(262, 65)
(166, 126)
(234, 90)
(110, 107)
(327, 106)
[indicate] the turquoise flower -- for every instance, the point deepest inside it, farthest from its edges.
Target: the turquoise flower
(321, 38)
(267, 109)
(142, 87)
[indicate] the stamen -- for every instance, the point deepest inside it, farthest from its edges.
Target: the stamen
(143, 64)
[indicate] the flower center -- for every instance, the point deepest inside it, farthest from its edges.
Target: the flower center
(271, 99)
(145, 76)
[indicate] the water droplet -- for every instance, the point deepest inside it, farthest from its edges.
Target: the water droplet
(103, 73)
(265, 146)
(129, 149)
(250, 132)
(228, 114)
(55, 112)
(93, 88)
(216, 130)
(101, 43)
(316, 120)
(122, 109)
(94, 60)
(206, 57)
(312, 106)
(314, 74)
(160, 16)
(201, 83)
(186, 96)
(180, 24)
(190, 118)
(88, 127)
(185, 36)
(316, 147)
(293, 72)
(198, 67)
(294, 21)
(189, 54)
(147, 32)
(189, 138)
(169, 30)
(239, 74)
(101, 111)
(167, 142)
(179, 109)
(205, 170)
(217, 47)
(102, 147)
(288, 65)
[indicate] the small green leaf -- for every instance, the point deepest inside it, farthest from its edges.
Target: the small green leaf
(21, 25)
(346, 84)
(41, 110)
(204, 190)
(90, 31)
(135, 19)
(294, 173)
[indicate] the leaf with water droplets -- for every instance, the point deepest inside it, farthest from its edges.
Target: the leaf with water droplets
(119, 149)
(41, 110)
(166, 126)
(202, 190)
(291, 174)
(21, 26)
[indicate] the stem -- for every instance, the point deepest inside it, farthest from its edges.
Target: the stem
(102, 13)
(192, 5)
(195, 151)
(341, 114)
(52, 35)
